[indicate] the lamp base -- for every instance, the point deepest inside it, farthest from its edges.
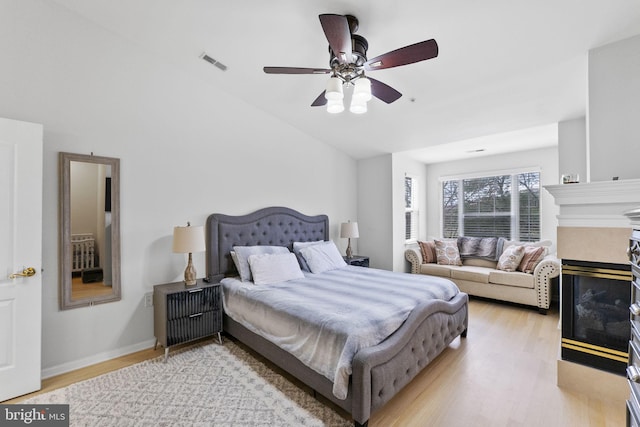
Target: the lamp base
(190, 274)
(349, 251)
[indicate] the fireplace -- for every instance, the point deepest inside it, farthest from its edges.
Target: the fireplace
(595, 314)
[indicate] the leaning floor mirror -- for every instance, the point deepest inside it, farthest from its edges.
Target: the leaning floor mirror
(89, 230)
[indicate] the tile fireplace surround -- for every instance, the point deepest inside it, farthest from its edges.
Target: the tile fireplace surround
(592, 226)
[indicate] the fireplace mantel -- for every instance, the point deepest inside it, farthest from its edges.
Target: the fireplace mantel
(596, 204)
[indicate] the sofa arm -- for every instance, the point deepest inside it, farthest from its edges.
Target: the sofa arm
(414, 256)
(546, 270)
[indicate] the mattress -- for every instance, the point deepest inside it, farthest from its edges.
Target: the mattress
(324, 319)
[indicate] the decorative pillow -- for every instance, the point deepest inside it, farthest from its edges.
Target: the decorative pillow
(428, 250)
(322, 257)
(531, 258)
(296, 250)
(244, 252)
(510, 258)
(478, 247)
(447, 252)
(267, 269)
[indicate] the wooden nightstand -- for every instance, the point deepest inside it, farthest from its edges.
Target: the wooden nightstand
(357, 260)
(186, 313)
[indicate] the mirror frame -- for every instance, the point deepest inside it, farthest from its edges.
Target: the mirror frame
(65, 269)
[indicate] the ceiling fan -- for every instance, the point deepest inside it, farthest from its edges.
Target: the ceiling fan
(348, 62)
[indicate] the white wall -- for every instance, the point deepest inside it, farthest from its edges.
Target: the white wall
(375, 211)
(185, 152)
(545, 159)
(572, 148)
(614, 110)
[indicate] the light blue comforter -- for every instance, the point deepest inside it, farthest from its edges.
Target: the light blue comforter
(324, 319)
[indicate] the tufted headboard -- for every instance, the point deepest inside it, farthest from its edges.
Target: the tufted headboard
(273, 226)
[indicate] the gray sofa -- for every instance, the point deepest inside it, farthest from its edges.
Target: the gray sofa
(480, 277)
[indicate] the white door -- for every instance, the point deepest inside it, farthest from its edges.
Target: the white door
(20, 250)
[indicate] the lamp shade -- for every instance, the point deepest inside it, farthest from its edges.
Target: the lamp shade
(358, 105)
(188, 239)
(349, 230)
(362, 89)
(334, 89)
(335, 106)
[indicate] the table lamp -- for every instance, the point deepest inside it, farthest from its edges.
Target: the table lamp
(349, 230)
(187, 240)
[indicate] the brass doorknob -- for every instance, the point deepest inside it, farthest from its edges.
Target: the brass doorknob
(27, 272)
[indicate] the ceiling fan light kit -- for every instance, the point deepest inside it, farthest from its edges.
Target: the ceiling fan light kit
(348, 62)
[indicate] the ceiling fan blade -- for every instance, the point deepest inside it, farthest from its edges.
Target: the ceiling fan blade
(336, 29)
(383, 91)
(405, 55)
(295, 70)
(320, 101)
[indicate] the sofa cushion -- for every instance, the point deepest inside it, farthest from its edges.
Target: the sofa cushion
(478, 247)
(472, 274)
(478, 262)
(510, 258)
(447, 252)
(436, 270)
(511, 278)
(532, 257)
(428, 250)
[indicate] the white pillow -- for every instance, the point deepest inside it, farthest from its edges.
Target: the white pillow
(244, 252)
(510, 258)
(322, 257)
(296, 250)
(274, 268)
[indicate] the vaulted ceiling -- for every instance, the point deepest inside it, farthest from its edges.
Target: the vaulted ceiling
(504, 66)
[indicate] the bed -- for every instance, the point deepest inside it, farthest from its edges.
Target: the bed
(379, 371)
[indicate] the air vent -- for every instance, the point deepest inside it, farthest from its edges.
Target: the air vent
(212, 61)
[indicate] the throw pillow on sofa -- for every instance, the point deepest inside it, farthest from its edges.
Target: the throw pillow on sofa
(533, 255)
(447, 252)
(428, 250)
(478, 247)
(510, 258)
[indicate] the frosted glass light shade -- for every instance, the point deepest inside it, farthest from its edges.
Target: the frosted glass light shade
(188, 239)
(362, 89)
(334, 89)
(358, 106)
(335, 106)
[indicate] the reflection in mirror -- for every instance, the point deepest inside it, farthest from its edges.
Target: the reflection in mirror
(89, 230)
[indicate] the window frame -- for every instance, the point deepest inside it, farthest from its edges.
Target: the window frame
(413, 211)
(514, 212)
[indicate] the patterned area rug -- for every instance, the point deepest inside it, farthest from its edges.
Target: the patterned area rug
(204, 385)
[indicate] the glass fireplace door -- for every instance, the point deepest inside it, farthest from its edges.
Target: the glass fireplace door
(595, 314)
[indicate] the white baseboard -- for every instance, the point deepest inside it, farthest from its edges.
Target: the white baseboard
(97, 358)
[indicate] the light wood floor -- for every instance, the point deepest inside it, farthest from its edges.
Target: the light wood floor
(81, 290)
(502, 374)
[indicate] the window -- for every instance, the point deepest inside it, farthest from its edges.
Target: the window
(411, 208)
(485, 207)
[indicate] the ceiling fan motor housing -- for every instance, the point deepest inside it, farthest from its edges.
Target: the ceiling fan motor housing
(349, 71)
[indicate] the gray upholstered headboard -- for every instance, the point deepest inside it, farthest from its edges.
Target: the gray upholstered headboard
(274, 226)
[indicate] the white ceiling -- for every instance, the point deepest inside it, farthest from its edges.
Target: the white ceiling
(505, 67)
